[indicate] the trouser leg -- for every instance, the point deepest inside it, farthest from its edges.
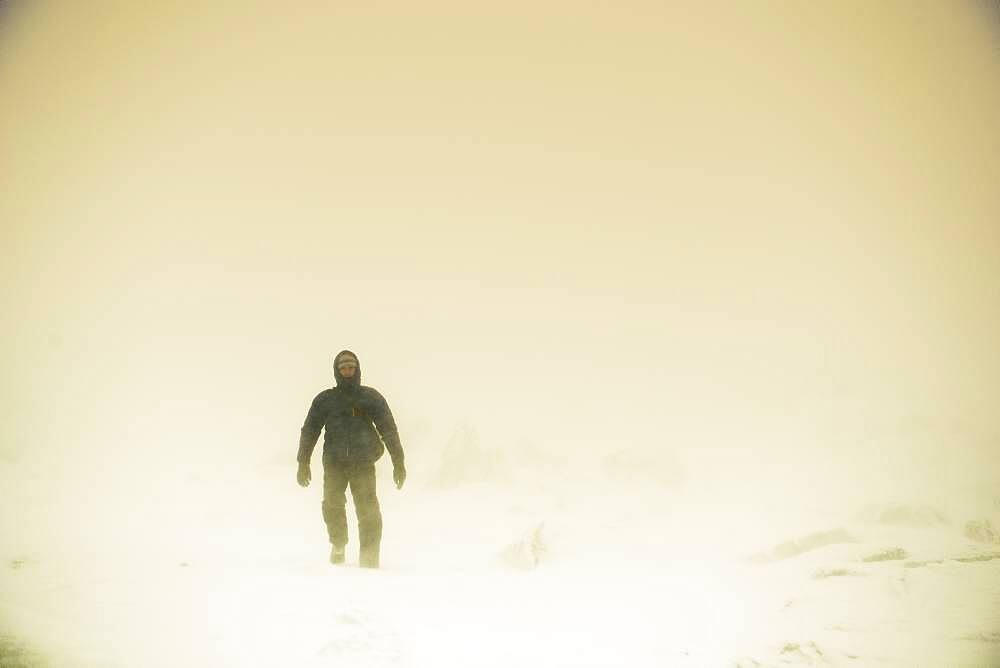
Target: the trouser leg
(335, 481)
(369, 514)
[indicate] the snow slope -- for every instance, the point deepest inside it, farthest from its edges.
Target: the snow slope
(522, 570)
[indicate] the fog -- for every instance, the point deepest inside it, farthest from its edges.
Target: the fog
(732, 269)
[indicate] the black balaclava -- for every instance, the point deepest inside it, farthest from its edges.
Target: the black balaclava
(347, 383)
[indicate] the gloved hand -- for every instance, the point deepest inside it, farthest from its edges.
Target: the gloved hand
(399, 475)
(304, 475)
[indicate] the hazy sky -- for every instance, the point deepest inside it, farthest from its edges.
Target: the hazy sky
(637, 223)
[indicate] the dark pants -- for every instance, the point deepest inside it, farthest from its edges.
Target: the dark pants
(361, 478)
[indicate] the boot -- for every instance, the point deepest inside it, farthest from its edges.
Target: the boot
(369, 557)
(337, 554)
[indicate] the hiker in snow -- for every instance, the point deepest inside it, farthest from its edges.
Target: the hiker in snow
(359, 428)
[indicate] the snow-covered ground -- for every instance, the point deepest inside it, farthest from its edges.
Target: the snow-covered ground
(549, 565)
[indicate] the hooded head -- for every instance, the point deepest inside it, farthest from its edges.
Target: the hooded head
(353, 381)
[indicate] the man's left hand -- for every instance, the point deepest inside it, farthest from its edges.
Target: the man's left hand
(399, 475)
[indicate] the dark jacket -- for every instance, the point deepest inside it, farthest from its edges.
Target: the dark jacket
(356, 420)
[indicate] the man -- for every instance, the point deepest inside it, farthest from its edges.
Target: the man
(359, 428)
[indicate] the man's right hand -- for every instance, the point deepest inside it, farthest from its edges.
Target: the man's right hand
(304, 475)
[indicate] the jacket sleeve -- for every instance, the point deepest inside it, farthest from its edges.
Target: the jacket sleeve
(386, 426)
(311, 429)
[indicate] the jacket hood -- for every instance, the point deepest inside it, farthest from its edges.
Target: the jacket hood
(347, 382)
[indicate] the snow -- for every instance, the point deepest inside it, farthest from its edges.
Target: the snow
(687, 313)
(525, 570)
